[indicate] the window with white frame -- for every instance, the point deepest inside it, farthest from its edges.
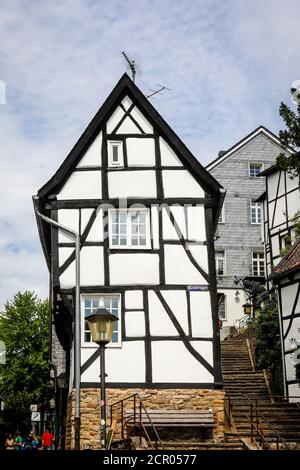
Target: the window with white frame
(90, 303)
(222, 306)
(255, 212)
(129, 228)
(220, 263)
(222, 216)
(258, 264)
(115, 153)
(254, 169)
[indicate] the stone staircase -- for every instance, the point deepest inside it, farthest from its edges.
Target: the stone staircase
(276, 420)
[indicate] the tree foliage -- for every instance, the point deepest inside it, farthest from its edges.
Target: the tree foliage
(24, 378)
(268, 346)
(290, 137)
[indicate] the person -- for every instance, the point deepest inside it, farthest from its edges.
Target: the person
(10, 442)
(34, 440)
(19, 441)
(47, 439)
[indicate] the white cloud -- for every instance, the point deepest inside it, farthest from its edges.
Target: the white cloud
(228, 64)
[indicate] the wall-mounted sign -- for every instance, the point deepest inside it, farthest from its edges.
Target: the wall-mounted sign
(35, 416)
(202, 288)
(33, 407)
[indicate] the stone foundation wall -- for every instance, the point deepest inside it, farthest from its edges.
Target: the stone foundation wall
(197, 399)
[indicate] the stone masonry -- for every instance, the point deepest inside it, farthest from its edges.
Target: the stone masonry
(197, 399)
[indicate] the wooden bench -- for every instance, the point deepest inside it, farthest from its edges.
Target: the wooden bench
(203, 419)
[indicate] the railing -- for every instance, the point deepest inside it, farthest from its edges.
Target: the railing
(242, 323)
(257, 418)
(136, 419)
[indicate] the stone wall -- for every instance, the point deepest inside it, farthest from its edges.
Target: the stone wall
(197, 399)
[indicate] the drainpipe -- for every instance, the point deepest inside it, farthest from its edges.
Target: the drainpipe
(77, 315)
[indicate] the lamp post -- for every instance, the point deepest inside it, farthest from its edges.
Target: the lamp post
(101, 324)
(62, 385)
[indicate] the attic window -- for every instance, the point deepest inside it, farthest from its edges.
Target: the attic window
(115, 153)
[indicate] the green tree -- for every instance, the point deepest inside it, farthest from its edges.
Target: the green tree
(24, 378)
(290, 137)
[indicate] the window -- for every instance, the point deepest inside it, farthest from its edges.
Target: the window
(222, 306)
(255, 210)
(115, 153)
(254, 169)
(220, 263)
(129, 228)
(112, 303)
(222, 216)
(258, 264)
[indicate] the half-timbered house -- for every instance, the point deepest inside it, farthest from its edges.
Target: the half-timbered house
(146, 211)
(281, 216)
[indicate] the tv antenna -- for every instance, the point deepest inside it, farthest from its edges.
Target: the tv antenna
(130, 65)
(158, 91)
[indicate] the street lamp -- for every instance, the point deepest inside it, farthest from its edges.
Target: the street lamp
(247, 309)
(101, 324)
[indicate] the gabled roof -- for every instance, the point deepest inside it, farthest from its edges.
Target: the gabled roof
(259, 130)
(124, 87)
(289, 263)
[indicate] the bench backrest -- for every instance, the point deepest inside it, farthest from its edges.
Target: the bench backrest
(163, 417)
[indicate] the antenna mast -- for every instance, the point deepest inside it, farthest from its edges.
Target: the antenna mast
(131, 65)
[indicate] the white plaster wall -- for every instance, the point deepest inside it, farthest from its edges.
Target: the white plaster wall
(293, 201)
(233, 308)
(126, 102)
(275, 245)
(141, 120)
(196, 223)
(69, 218)
(140, 152)
(201, 314)
(272, 185)
(172, 362)
(281, 190)
(82, 185)
(199, 253)
(179, 269)
(91, 268)
(177, 301)
(155, 229)
(135, 323)
(134, 269)
(160, 323)
(139, 184)
(96, 231)
(128, 127)
(179, 183)
(168, 156)
(288, 296)
(134, 299)
(114, 119)
(280, 211)
(92, 156)
(294, 391)
(63, 255)
(291, 183)
(169, 232)
(124, 364)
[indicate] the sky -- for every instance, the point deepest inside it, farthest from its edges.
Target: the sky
(228, 64)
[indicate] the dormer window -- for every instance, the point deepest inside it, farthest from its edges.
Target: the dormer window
(115, 153)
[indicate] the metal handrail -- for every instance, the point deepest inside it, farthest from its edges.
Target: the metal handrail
(136, 396)
(259, 415)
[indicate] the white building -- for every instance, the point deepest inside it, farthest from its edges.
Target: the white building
(146, 211)
(281, 215)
